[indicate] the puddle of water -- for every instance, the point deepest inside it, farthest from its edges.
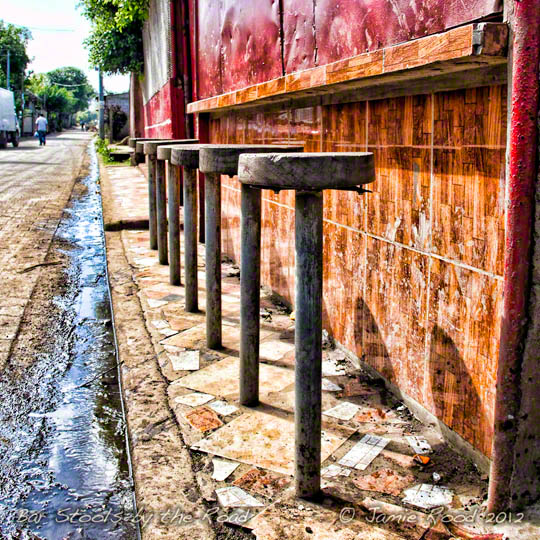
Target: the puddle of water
(64, 470)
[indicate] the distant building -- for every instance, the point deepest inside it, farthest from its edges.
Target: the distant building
(117, 115)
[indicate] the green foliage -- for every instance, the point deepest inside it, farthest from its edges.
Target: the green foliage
(115, 43)
(102, 148)
(75, 81)
(86, 117)
(15, 40)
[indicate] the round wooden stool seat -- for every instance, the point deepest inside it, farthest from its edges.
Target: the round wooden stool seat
(310, 171)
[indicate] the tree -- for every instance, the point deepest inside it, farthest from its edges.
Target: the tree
(15, 40)
(115, 43)
(75, 81)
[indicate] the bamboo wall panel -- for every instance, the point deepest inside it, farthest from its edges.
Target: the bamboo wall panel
(413, 271)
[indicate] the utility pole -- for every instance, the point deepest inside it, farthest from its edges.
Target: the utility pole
(101, 107)
(8, 68)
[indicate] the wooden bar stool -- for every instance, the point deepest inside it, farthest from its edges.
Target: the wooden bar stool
(308, 174)
(174, 199)
(187, 156)
(157, 211)
(215, 160)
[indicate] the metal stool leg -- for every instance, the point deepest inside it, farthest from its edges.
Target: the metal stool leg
(173, 190)
(213, 260)
(190, 239)
(250, 284)
(308, 332)
(152, 217)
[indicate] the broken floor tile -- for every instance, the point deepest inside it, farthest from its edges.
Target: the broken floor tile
(384, 481)
(203, 419)
(364, 452)
(221, 378)
(160, 324)
(194, 400)
(333, 470)
(274, 349)
(234, 497)
(329, 386)
(419, 444)
(263, 482)
(223, 469)
(167, 332)
(427, 496)
(155, 303)
(171, 298)
(223, 408)
(185, 361)
(266, 441)
(401, 459)
(343, 411)
(144, 261)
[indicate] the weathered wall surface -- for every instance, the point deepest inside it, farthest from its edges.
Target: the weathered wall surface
(413, 271)
(241, 42)
(158, 90)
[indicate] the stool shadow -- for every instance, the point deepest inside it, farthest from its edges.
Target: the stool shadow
(456, 401)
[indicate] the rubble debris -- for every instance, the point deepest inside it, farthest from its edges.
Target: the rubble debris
(329, 386)
(356, 388)
(427, 496)
(343, 411)
(203, 419)
(223, 408)
(422, 460)
(384, 481)
(263, 482)
(194, 399)
(364, 452)
(186, 361)
(436, 477)
(235, 497)
(333, 470)
(371, 414)
(459, 532)
(223, 468)
(419, 444)
(332, 367)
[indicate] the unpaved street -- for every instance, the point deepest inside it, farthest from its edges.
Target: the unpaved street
(62, 446)
(35, 185)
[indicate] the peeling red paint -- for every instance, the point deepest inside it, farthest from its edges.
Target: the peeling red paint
(251, 49)
(298, 35)
(163, 113)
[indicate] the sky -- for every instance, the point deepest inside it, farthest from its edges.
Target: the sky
(58, 30)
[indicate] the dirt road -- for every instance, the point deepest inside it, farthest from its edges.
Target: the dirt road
(35, 186)
(63, 462)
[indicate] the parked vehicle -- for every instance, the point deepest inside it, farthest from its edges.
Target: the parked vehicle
(10, 130)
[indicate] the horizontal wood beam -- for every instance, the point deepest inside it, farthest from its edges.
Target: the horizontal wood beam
(475, 47)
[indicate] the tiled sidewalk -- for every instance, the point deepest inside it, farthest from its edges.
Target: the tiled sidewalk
(242, 457)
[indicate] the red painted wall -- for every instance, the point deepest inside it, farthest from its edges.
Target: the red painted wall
(241, 42)
(163, 113)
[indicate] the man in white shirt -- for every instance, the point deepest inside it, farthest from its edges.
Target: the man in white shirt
(41, 125)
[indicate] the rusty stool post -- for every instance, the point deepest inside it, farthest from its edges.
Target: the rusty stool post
(215, 160)
(157, 199)
(308, 174)
(188, 157)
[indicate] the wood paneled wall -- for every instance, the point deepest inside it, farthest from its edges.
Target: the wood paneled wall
(413, 271)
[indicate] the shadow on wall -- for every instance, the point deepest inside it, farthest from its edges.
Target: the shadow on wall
(369, 340)
(455, 399)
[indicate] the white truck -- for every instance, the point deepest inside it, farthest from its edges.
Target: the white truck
(9, 124)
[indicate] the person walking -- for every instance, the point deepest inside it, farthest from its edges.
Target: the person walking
(41, 125)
